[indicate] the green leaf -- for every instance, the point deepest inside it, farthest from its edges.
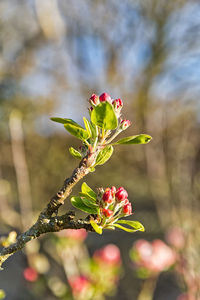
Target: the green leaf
(2, 294)
(78, 203)
(63, 120)
(137, 226)
(77, 131)
(89, 202)
(96, 227)
(93, 130)
(75, 153)
(124, 228)
(88, 191)
(87, 127)
(87, 196)
(92, 169)
(135, 139)
(104, 155)
(103, 115)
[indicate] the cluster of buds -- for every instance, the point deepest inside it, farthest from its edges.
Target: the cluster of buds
(109, 255)
(154, 257)
(114, 204)
(117, 103)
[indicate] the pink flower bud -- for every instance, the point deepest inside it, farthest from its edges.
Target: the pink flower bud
(121, 194)
(117, 103)
(113, 190)
(74, 234)
(105, 97)
(94, 99)
(79, 284)
(127, 209)
(125, 124)
(30, 274)
(108, 196)
(110, 254)
(107, 212)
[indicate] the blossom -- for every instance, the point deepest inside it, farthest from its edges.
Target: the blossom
(107, 212)
(94, 99)
(108, 196)
(127, 209)
(121, 194)
(125, 124)
(79, 284)
(117, 103)
(105, 97)
(30, 274)
(109, 254)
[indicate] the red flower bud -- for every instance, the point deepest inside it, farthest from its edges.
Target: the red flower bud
(94, 99)
(30, 274)
(125, 124)
(127, 209)
(113, 190)
(79, 284)
(121, 194)
(107, 212)
(108, 196)
(117, 103)
(105, 97)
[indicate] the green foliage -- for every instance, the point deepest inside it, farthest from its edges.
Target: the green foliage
(103, 116)
(104, 155)
(80, 204)
(86, 190)
(2, 294)
(87, 127)
(136, 226)
(77, 130)
(135, 139)
(97, 228)
(63, 120)
(75, 153)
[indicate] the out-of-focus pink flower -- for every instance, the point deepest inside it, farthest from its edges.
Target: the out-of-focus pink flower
(107, 212)
(94, 99)
(75, 234)
(155, 256)
(30, 274)
(175, 237)
(108, 196)
(127, 209)
(110, 254)
(186, 297)
(105, 97)
(121, 194)
(79, 284)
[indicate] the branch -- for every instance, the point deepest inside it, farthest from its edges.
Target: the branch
(46, 223)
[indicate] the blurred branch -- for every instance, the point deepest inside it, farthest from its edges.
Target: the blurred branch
(46, 223)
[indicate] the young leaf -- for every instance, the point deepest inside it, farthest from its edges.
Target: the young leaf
(103, 115)
(87, 190)
(124, 228)
(89, 203)
(137, 226)
(104, 155)
(87, 127)
(87, 196)
(78, 203)
(135, 139)
(77, 131)
(75, 153)
(96, 227)
(93, 130)
(63, 120)
(92, 169)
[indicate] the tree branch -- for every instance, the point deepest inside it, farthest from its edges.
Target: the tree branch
(46, 223)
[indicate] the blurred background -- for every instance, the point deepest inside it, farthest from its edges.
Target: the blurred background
(53, 56)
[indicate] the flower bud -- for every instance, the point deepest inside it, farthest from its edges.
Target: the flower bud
(108, 196)
(125, 124)
(105, 97)
(30, 274)
(113, 190)
(127, 209)
(94, 99)
(107, 212)
(118, 104)
(121, 194)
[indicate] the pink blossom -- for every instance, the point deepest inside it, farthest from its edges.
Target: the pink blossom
(125, 124)
(117, 103)
(175, 237)
(121, 194)
(79, 284)
(107, 212)
(127, 209)
(94, 99)
(109, 254)
(108, 196)
(105, 97)
(30, 274)
(75, 234)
